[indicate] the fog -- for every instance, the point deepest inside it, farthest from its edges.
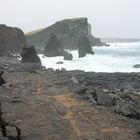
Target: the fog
(109, 18)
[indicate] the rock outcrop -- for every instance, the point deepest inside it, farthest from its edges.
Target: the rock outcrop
(68, 56)
(29, 55)
(118, 91)
(137, 66)
(84, 47)
(68, 31)
(11, 40)
(54, 47)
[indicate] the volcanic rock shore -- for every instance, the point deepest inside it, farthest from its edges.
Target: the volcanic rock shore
(69, 105)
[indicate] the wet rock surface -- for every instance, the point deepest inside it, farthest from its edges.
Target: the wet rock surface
(69, 105)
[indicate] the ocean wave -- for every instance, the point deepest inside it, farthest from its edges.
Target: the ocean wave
(119, 57)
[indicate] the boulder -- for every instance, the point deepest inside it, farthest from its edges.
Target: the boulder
(128, 108)
(11, 40)
(69, 31)
(136, 66)
(29, 55)
(84, 47)
(68, 56)
(60, 62)
(88, 95)
(54, 47)
(105, 99)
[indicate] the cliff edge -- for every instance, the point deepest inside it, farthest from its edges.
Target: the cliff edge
(69, 31)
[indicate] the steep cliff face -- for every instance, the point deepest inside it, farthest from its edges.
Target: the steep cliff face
(11, 40)
(69, 31)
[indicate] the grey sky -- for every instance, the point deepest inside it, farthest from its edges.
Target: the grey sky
(109, 18)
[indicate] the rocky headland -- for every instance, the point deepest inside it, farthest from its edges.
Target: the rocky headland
(68, 31)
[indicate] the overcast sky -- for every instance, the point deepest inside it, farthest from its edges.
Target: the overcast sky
(109, 18)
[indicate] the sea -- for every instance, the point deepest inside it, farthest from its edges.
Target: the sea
(118, 57)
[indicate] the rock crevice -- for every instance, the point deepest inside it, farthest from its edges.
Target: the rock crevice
(8, 130)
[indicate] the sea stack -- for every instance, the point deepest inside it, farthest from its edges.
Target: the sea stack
(84, 47)
(29, 55)
(54, 47)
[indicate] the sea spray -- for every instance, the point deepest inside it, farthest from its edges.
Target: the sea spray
(119, 57)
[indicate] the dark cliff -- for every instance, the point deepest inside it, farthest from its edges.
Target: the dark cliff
(11, 40)
(69, 31)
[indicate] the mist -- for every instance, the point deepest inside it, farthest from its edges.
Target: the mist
(109, 18)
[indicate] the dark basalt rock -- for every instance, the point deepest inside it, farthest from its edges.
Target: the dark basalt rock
(128, 108)
(11, 40)
(32, 103)
(29, 55)
(136, 66)
(105, 99)
(68, 56)
(69, 31)
(118, 91)
(84, 47)
(60, 62)
(54, 47)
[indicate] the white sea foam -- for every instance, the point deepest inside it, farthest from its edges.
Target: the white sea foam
(119, 57)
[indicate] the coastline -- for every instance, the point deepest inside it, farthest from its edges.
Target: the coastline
(119, 58)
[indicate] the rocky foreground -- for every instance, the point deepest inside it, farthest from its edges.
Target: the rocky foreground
(69, 105)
